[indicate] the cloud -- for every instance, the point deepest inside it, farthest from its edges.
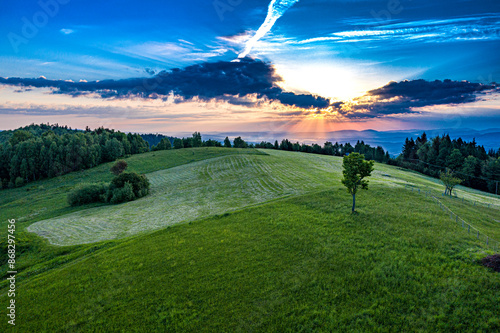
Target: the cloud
(210, 80)
(405, 96)
(429, 31)
(250, 82)
(170, 53)
(67, 31)
(276, 9)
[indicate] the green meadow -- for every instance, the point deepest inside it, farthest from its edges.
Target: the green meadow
(243, 240)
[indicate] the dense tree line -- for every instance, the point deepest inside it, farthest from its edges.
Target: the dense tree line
(195, 141)
(44, 151)
(155, 139)
(371, 153)
(467, 160)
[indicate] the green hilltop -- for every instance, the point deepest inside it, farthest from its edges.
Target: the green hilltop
(251, 240)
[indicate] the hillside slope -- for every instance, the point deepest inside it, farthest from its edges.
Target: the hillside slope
(211, 186)
(299, 262)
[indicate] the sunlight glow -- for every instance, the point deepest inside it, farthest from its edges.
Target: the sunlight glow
(326, 80)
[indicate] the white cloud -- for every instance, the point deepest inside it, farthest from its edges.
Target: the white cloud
(171, 53)
(276, 9)
(67, 31)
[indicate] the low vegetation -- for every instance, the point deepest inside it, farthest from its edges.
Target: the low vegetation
(492, 261)
(124, 187)
(88, 193)
(118, 167)
(127, 186)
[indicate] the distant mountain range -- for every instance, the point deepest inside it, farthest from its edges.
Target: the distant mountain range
(391, 141)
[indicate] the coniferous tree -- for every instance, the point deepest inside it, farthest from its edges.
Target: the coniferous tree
(197, 142)
(455, 160)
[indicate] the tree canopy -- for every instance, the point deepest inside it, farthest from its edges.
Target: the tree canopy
(356, 168)
(44, 151)
(449, 180)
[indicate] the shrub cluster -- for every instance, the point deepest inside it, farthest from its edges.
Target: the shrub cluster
(121, 194)
(19, 182)
(125, 187)
(88, 193)
(140, 184)
(492, 261)
(118, 167)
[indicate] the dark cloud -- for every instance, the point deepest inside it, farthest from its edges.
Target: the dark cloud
(221, 80)
(249, 82)
(403, 97)
(149, 71)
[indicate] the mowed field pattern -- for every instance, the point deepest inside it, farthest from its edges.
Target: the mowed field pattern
(193, 191)
(210, 187)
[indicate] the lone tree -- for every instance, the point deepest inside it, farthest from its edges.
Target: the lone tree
(449, 180)
(119, 167)
(355, 169)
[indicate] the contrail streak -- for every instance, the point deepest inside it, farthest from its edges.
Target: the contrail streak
(276, 9)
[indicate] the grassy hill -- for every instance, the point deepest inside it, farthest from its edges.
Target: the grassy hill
(250, 240)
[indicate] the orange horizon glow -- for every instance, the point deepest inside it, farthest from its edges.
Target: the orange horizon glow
(166, 117)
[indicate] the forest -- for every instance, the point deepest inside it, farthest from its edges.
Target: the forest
(377, 154)
(467, 160)
(44, 151)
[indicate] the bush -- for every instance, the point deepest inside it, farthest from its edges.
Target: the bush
(119, 167)
(122, 194)
(140, 184)
(19, 182)
(88, 193)
(492, 261)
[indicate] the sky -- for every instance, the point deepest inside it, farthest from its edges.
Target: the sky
(239, 65)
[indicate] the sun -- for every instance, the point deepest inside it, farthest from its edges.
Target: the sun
(327, 80)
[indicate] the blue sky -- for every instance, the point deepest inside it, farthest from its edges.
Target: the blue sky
(341, 50)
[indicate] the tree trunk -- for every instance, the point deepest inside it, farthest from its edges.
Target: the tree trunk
(353, 202)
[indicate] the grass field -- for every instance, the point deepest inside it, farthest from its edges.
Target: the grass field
(47, 198)
(205, 188)
(267, 244)
(197, 190)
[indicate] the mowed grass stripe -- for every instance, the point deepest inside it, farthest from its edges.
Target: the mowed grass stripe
(191, 201)
(46, 198)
